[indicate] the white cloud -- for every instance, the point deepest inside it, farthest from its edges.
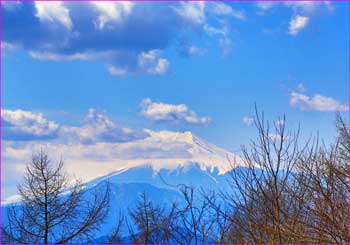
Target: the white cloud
(193, 50)
(19, 125)
(302, 11)
(248, 120)
(97, 127)
(58, 57)
(265, 5)
(146, 62)
(222, 9)
(150, 62)
(120, 50)
(223, 32)
(117, 71)
(194, 12)
(27, 125)
(112, 12)
(316, 103)
(158, 111)
(297, 23)
(53, 11)
(197, 13)
(304, 7)
(211, 30)
(309, 7)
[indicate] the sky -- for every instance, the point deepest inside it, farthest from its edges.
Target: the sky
(83, 79)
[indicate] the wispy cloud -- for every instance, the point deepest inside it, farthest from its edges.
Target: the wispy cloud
(117, 71)
(309, 7)
(223, 9)
(304, 7)
(265, 5)
(186, 49)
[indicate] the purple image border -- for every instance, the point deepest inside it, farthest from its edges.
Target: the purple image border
(247, 1)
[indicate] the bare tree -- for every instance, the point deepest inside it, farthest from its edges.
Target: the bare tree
(328, 206)
(151, 223)
(222, 216)
(267, 201)
(287, 192)
(52, 211)
(194, 218)
(116, 237)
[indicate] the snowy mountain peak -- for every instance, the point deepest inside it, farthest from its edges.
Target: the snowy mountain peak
(167, 149)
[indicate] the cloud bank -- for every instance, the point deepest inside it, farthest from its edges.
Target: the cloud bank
(98, 127)
(128, 37)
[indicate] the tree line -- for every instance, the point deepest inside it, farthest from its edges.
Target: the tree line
(290, 191)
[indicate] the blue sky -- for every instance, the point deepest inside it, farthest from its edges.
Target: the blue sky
(68, 68)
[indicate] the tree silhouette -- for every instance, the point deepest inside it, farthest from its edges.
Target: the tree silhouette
(151, 223)
(53, 211)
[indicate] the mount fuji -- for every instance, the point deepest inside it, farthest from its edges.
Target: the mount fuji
(166, 159)
(156, 165)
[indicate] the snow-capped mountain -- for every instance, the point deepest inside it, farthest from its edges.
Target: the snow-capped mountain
(185, 148)
(194, 162)
(159, 158)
